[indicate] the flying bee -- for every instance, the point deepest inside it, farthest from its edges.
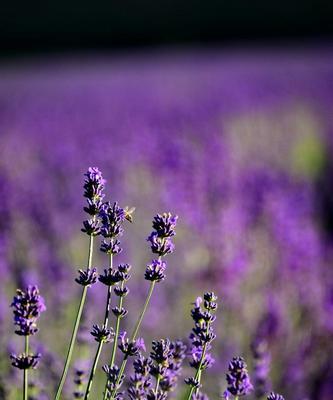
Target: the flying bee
(128, 213)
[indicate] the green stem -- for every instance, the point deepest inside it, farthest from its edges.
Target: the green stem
(76, 325)
(139, 321)
(158, 379)
(93, 370)
(100, 345)
(114, 348)
(25, 371)
(134, 334)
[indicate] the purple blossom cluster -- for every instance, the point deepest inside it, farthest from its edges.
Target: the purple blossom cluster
(201, 338)
(93, 191)
(27, 307)
(238, 378)
(162, 367)
(161, 244)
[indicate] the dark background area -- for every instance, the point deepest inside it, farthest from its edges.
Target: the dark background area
(39, 26)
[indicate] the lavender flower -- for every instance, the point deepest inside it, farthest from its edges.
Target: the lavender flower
(119, 312)
(140, 381)
(123, 272)
(121, 292)
(160, 239)
(165, 224)
(112, 217)
(155, 271)
(275, 396)
(25, 361)
(28, 305)
(110, 277)
(112, 374)
(93, 190)
(111, 247)
(192, 382)
(160, 245)
(161, 354)
(102, 334)
(87, 277)
(169, 378)
(91, 227)
(130, 348)
(238, 379)
(201, 337)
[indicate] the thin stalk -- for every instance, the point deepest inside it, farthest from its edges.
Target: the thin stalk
(158, 379)
(134, 334)
(100, 345)
(139, 321)
(199, 370)
(25, 371)
(76, 325)
(93, 370)
(114, 348)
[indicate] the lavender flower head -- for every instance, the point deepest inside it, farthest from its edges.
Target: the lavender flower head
(112, 216)
(238, 378)
(164, 228)
(25, 361)
(202, 335)
(140, 381)
(93, 191)
(102, 334)
(28, 305)
(87, 278)
(164, 365)
(165, 224)
(130, 348)
(155, 271)
(112, 375)
(173, 364)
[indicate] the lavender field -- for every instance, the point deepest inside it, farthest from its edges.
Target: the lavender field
(239, 146)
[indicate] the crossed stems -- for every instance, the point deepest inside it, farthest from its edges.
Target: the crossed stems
(133, 337)
(100, 344)
(114, 348)
(76, 324)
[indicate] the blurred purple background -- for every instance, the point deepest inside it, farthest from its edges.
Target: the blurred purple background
(237, 143)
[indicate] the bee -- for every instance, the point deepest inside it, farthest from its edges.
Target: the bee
(128, 213)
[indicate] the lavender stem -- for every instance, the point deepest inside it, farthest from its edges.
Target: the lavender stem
(157, 384)
(25, 371)
(76, 324)
(133, 337)
(114, 348)
(139, 321)
(100, 345)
